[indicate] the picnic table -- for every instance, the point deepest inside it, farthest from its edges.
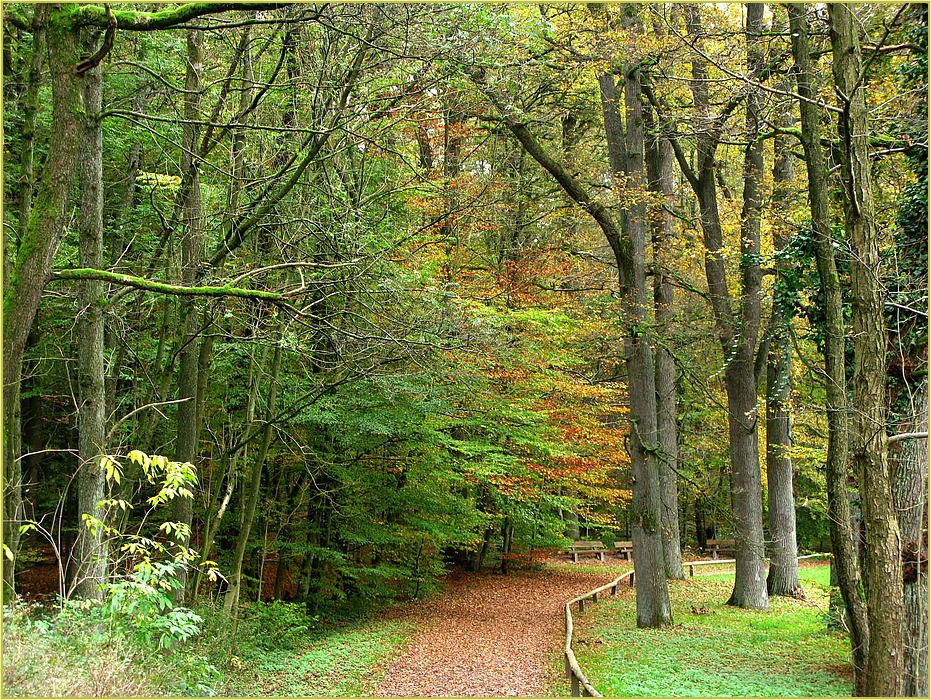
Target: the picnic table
(599, 549)
(587, 547)
(720, 547)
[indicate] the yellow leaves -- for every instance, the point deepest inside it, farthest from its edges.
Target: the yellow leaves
(111, 469)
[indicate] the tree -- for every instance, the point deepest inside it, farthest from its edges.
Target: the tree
(91, 557)
(49, 215)
(738, 330)
(783, 568)
(842, 535)
(883, 562)
(626, 239)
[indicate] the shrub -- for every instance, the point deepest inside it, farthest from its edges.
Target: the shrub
(275, 625)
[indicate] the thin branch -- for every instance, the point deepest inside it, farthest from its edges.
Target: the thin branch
(902, 437)
(129, 415)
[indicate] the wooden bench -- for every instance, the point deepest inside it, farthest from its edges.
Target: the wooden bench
(625, 549)
(720, 547)
(596, 548)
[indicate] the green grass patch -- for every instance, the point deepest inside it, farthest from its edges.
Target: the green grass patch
(714, 649)
(344, 662)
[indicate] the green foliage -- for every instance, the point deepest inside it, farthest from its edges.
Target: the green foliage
(142, 604)
(275, 625)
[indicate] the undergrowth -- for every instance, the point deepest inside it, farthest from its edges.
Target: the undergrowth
(74, 650)
(714, 649)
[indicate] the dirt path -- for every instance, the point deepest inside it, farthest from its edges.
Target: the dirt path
(488, 635)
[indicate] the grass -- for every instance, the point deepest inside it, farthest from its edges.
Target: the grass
(713, 649)
(342, 662)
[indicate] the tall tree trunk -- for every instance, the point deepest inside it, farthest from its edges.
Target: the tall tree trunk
(191, 234)
(910, 459)
(843, 540)
(47, 220)
(737, 336)
(659, 175)
(90, 550)
(24, 425)
(626, 154)
(883, 564)
(653, 608)
(783, 567)
(30, 113)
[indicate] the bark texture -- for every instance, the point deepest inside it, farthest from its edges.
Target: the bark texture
(883, 564)
(659, 160)
(910, 460)
(191, 225)
(843, 540)
(90, 550)
(653, 608)
(47, 219)
(783, 566)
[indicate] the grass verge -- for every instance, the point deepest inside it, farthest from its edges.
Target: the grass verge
(713, 649)
(347, 661)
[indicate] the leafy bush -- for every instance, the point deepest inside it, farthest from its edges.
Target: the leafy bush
(275, 625)
(142, 605)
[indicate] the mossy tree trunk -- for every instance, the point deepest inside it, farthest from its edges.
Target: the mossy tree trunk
(90, 550)
(48, 217)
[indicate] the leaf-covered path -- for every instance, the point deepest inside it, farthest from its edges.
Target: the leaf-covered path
(489, 635)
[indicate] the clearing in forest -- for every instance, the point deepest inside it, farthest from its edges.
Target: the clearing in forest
(716, 650)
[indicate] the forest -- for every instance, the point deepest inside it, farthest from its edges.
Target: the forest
(312, 305)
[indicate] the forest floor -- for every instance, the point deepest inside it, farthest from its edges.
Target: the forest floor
(490, 635)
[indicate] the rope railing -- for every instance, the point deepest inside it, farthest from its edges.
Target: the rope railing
(579, 683)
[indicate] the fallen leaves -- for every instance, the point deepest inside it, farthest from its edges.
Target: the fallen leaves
(488, 635)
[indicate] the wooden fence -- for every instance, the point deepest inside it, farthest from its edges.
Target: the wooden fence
(580, 684)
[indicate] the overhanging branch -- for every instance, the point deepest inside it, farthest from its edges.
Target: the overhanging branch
(95, 15)
(88, 273)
